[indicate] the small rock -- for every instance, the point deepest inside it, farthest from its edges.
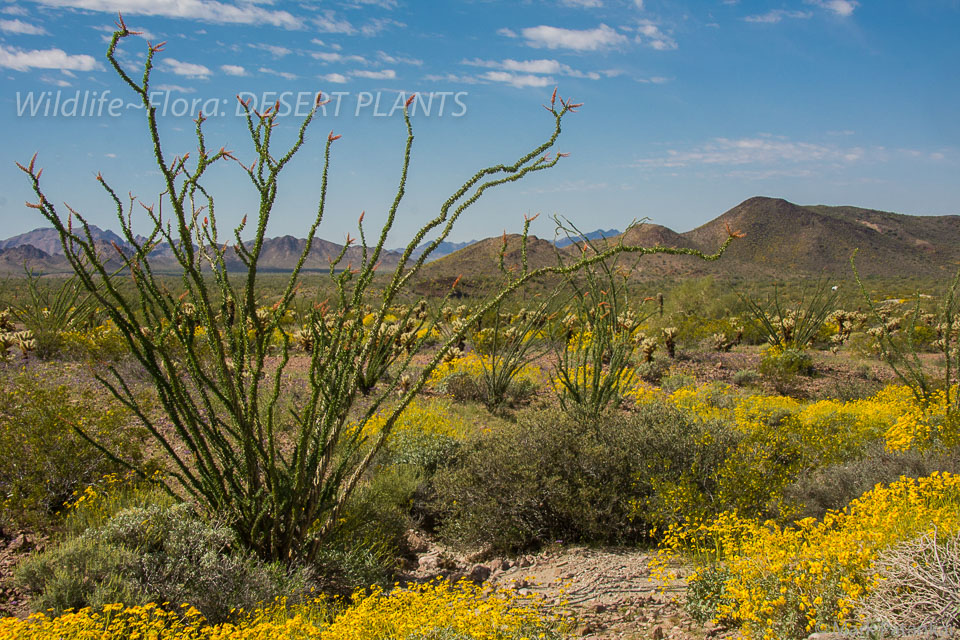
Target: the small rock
(479, 574)
(657, 633)
(415, 542)
(598, 608)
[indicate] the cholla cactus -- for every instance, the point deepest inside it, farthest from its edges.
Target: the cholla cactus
(721, 342)
(647, 347)
(670, 341)
(10, 338)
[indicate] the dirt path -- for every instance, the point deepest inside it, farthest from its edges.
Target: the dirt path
(608, 591)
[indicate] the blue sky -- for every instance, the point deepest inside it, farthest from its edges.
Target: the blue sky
(690, 106)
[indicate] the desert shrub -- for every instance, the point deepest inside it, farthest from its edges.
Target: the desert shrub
(919, 586)
(481, 378)
(508, 343)
(366, 548)
(796, 325)
(102, 342)
(654, 371)
(155, 553)
(45, 460)
(54, 307)
(746, 378)
(681, 464)
(670, 383)
(788, 581)
(833, 486)
(548, 477)
(782, 367)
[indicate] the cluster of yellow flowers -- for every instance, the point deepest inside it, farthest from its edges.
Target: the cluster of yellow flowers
(432, 417)
(784, 582)
(104, 340)
(473, 364)
(830, 427)
(435, 610)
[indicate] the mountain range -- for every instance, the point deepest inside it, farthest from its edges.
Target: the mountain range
(781, 239)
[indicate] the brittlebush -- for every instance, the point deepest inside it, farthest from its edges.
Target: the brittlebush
(788, 581)
(436, 610)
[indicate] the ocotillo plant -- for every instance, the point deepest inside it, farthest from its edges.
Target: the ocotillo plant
(280, 479)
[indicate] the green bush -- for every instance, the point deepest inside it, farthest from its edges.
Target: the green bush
(44, 460)
(746, 378)
(782, 366)
(836, 485)
(155, 553)
(552, 477)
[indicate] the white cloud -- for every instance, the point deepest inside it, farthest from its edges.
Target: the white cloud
(842, 8)
(328, 22)
(175, 88)
(385, 74)
(336, 78)
(650, 34)
(205, 10)
(542, 66)
(376, 25)
(761, 150)
(21, 27)
(583, 4)
(578, 40)
(187, 69)
(233, 70)
(517, 80)
(59, 82)
(329, 56)
(507, 33)
(776, 15)
(275, 50)
(283, 74)
(21, 60)
(14, 10)
(389, 59)
(451, 77)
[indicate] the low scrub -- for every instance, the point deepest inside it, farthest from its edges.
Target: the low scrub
(44, 459)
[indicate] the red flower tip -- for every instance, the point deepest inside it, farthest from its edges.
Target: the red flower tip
(360, 221)
(409, 100)
(156, 48)
(563, 155)
(553, 98)
(206, 221)
(245, 103)
(331, 137)
(32, 161)
(99, 177)
(456, 282)
(244, 221)
(319, 99)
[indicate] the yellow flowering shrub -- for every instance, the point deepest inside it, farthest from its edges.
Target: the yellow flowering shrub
(788, 581)
(429, 417)
(436, 610)
(101, 342)
(472, 364)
